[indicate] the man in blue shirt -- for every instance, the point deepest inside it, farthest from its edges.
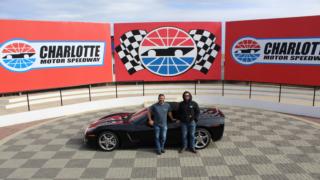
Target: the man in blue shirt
(160, 111)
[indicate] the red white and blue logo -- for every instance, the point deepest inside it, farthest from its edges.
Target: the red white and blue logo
(167, 51)
(18, 56)
(246, 50)
(293, 51)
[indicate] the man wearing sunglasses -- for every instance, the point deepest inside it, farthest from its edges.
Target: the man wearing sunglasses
(188, 112)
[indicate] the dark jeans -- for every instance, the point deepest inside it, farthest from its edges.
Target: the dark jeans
(160, 136)
(188, 137)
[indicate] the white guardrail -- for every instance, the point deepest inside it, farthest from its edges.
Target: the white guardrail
(288, 99)
(203, 100)
(275, 93)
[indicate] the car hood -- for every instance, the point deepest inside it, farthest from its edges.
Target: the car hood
(112, 119)
(212, 111)
(117, 118)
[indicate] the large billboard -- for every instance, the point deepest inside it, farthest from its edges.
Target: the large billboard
(167, 51)
(37, 55)
(274, 50)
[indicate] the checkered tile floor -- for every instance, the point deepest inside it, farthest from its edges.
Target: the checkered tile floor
(256, 145)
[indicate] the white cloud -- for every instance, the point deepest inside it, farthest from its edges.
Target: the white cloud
(155, 10)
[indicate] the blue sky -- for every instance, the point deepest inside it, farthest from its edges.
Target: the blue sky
(155, 10)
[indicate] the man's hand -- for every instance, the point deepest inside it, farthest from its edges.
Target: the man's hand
(151, 122)
(171, 117)
(177, 120)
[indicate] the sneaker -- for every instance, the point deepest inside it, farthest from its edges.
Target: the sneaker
(193, 151)
(182, 150)
(158, 152)
(163, 151)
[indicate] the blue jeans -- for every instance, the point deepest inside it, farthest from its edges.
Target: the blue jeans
(160, 136)
(188, 134)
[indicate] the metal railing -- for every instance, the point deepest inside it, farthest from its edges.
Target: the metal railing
(247, 89)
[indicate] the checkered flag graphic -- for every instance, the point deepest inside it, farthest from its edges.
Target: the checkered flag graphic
(128, 50)
(207, 49)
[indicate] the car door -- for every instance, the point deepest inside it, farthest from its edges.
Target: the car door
(173, 135)
(174, 128)
(141, 132)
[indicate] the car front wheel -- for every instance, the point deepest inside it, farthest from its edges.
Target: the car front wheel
(108, 141)
(202, 138)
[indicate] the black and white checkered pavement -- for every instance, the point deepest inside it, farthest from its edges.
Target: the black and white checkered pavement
(256, 145)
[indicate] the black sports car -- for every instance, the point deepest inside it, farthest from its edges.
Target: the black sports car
(125, 129)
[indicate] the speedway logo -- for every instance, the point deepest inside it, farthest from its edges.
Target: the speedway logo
(20, 55)
(167, 51)
(297, 51)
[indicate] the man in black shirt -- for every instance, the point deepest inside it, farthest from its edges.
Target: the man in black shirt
(189, 113)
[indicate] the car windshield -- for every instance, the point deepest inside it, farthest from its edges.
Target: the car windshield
(142, 112)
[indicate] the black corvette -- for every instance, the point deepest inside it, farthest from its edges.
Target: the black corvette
(126, 129)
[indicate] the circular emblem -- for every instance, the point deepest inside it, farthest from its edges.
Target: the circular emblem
(167, 51)
(246, 50)
(17, 55)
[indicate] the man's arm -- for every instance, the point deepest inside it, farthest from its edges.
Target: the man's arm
(171, 117)
(150, 120)
(170, 114)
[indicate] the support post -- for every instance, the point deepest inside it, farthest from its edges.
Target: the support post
(116, 84)
(89, 88)
(314, 96)
(250, 91)
(280, 88)
(61, 101)
(142, 88)
(222, 87)
(28, 101)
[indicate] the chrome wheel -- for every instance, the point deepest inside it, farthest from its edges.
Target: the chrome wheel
(202, 137)
(108, 141)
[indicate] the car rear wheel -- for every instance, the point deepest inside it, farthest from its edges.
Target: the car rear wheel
(217, 133)
(108, 141)
(203, 138)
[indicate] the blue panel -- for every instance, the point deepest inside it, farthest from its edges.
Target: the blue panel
(182, 68)
(147, 60)
(154, 68)
(188, 60)
(163, 70)
(173, 70)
